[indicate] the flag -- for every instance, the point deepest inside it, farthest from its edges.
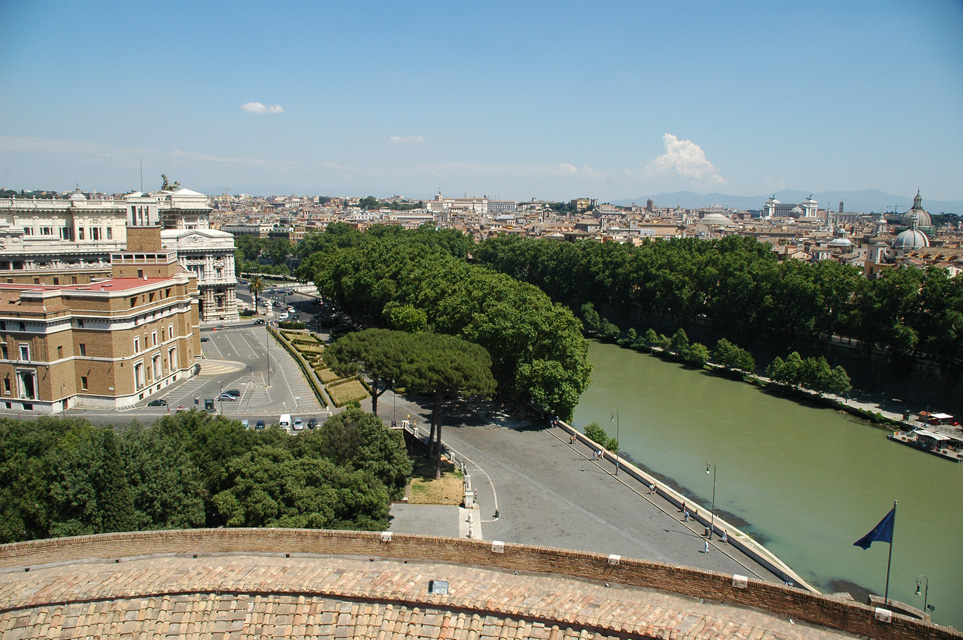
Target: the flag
(883, 532)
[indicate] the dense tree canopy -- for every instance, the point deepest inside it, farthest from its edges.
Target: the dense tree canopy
(417, 278)
(739, 286)
(68, 477)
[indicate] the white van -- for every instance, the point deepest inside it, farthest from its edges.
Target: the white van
(285, 421)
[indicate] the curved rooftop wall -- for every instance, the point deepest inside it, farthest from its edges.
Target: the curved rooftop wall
(844, 615)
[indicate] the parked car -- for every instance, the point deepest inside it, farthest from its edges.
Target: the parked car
(234, 392)
(298, 423)
(246, 424)
(227, 396)
(204, 338)
(160, 402)
(259, 425)
(259, 321)
(312, 423)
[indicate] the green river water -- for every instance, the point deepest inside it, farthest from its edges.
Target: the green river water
(805, 481)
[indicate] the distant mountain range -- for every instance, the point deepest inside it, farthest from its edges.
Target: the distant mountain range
(867, 201)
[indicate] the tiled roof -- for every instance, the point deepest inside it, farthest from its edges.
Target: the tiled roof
(308, 596)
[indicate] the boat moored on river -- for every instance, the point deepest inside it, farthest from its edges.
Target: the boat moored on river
(941, 442)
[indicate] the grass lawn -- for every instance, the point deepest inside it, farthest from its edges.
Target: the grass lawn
(342, 394)
(424, 489)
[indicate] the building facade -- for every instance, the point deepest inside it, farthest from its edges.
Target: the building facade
(109, 343)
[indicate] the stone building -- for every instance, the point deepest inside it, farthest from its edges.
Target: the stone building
(107, 343)
(59, 242)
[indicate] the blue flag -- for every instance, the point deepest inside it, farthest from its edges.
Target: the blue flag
(883, 532)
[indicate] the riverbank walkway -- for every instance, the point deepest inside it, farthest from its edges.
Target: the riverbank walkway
(548, 491)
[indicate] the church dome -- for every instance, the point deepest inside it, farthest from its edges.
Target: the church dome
(840, 242)
(911, 239)
(78, 197)
(717, 219)
(922, 218)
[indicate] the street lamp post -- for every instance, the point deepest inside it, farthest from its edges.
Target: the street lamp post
(712, 511)
(925, 583)
(220, 397)
(616, 417)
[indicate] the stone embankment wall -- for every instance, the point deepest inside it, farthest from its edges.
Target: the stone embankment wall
(797, 603)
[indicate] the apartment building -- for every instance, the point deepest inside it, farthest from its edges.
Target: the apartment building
(107, 343)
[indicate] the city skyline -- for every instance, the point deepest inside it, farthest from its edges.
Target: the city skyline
(514, 101)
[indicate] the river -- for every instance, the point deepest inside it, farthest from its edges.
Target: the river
(806, 481)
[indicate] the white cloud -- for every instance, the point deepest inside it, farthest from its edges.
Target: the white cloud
(567, 169)
(684, 158)
(776, 183)
(257, 107)
(406, 139)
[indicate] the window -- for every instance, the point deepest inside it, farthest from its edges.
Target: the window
(23, 326)
(65, 233)
(156, 365)
(73, 280)
(3, 352)
(56, 280)
(110, 233)
(80, 324)
(28, 231)
(137, 345)
(95, 233)
(6, 386)
(153, 339)
(24, 351)
(83, 349)
(139, 375)
(83, 383)
(46, 231)
(80, 233)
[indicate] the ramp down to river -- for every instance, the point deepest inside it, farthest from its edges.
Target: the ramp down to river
(326, 584)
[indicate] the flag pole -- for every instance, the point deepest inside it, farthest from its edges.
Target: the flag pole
(889, 562)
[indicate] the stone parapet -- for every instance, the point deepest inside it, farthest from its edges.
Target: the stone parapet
(775, 599)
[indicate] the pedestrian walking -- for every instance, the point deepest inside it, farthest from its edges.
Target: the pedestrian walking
(595, 454)
(572, 439)
(652, 488)
(725, 536)
(685, 516)
(706, 550)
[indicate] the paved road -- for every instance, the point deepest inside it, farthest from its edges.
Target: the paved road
(552, 493)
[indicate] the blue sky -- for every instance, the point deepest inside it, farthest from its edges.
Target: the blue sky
(516, 100)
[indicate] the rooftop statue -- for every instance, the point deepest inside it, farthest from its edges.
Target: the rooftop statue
(169, 186)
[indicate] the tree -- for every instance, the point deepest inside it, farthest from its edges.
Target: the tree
(610, 331)
(361, 441)
(696, 354)
(590, 317)
(680, 342)
(377, 353)
(256, 286)
(597, 433)
(732, 357)
(167, 490)
(446, 367)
